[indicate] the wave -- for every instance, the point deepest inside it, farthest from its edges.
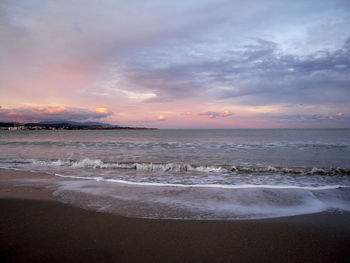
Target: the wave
(178, 145)
(210, 201)
(180, 167)
(198, 201)
(221, 186)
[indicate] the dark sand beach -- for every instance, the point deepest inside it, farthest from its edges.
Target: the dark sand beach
(36, 228)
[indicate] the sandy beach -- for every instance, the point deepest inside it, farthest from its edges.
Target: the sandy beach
(36, 228)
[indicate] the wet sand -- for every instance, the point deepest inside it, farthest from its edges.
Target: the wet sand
(36, 228)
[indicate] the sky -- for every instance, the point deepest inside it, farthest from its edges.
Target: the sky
(177, 64)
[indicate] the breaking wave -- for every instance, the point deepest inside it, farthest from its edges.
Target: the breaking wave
(180, 167)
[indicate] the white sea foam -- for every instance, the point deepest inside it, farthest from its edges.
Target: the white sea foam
(202, 202)
(221, 186)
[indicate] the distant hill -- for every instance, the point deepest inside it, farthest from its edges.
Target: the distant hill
(58, 124)
(66, 125)
(74, 123)
(9, 124)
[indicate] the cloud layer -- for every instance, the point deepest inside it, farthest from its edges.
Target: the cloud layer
(213, 115)
(152, 58)
(36, 114)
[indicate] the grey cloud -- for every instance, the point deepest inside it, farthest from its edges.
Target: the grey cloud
(213, 114)
(210, 114)
(258, 74)
(35, 114)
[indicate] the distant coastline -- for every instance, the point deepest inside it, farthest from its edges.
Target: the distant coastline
(65, 125)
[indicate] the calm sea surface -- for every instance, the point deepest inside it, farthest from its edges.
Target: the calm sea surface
(204, 173)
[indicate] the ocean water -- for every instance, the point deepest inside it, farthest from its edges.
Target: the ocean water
(191, 174)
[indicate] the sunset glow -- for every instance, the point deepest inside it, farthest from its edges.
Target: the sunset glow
(160, 118)
(101, 110)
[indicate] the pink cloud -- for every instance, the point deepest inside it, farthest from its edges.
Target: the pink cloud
(225, 113)
(213, 114)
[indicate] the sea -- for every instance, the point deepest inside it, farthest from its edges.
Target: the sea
(190, 174)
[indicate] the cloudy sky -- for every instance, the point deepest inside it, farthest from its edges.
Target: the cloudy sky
(177, 64)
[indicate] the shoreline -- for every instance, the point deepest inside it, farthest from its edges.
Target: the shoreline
(36, 228)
